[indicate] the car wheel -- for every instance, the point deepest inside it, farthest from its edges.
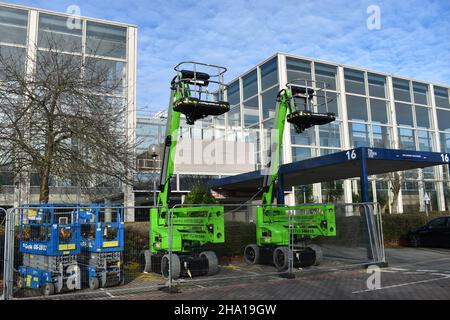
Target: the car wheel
(415, 241)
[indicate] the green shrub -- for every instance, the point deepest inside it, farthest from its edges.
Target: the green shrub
(200, 195)
(136, 236)
(397, 226)
(237, 236)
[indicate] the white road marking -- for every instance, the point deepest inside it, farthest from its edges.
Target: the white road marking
(429, 271)
(398, 269)
(107, 293)
(388, 271)
(441, 274)
(415, 272)
(403, 284)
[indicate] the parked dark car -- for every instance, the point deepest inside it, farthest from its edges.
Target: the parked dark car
(434, 234)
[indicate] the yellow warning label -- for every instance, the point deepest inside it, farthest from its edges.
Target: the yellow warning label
(110, 244)
(32, 214)
(64, 247)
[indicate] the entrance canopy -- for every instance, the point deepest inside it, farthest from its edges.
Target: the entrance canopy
(356, 163)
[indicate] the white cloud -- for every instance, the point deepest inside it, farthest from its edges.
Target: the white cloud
(414, 39)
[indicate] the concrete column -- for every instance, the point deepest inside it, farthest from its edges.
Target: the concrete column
(129, 197)
(22, 186)
(439, 171)
(345, 130)
(287, 141)
(395, 137)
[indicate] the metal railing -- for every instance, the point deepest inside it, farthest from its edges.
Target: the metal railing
(358, 243)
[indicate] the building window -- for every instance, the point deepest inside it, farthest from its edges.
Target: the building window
(269, 102)
(106, 40)
(307, 138)
(326, 73)
(406, 137)
(441, 96)
(112, 71)
(420, 93)
(377, 85)
(401, 90)
(250, 83)
(379, 112)
(328, 103)
(443, 120)
(354, 81)
(15, 54)
(251, 112)
(234, 117)
(6, 178)
(360, 135)
(445, 142)
(233, 93)
(13, 26)
(269, 74)
(330, 135)
(54, 34)
(300, 154)
(423, 117)
(52, 60)
(404, 114)
(357, 108)
(298, 69)
(381, 137)
(425, 140)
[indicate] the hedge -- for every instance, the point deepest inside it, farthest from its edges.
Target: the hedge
(237, 234)
(397, 226)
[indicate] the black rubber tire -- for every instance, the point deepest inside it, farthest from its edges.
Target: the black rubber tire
(176, 267)
(415, 241)
(281, 258)
(94, 284)
(319, 253)
(213, 262)
(252, 254)
(145, 265)
(48, 289)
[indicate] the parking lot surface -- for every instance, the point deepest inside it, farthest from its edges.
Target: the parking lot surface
(417, 274)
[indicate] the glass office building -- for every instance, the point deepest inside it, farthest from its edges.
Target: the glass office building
(23, 32)
(373, 109)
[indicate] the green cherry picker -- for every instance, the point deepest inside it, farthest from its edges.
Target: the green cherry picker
(197, 91)
(283, 231)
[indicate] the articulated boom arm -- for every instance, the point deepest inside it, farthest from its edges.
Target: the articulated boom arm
(294, 105)
(172, 135)
(284, 100)
(189, 96)
(191, 227)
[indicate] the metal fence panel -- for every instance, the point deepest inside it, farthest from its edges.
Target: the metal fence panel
(2, 250)
(182, 248)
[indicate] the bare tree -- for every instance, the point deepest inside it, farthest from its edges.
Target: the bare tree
(396, 185)
(64, 118)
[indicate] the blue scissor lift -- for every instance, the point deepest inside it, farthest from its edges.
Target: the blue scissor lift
(50, 244)
(102, 244)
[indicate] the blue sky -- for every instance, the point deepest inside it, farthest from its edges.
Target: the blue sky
(414, 39)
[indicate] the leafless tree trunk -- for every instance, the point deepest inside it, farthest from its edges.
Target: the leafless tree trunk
(395, 179)
(67, 119)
